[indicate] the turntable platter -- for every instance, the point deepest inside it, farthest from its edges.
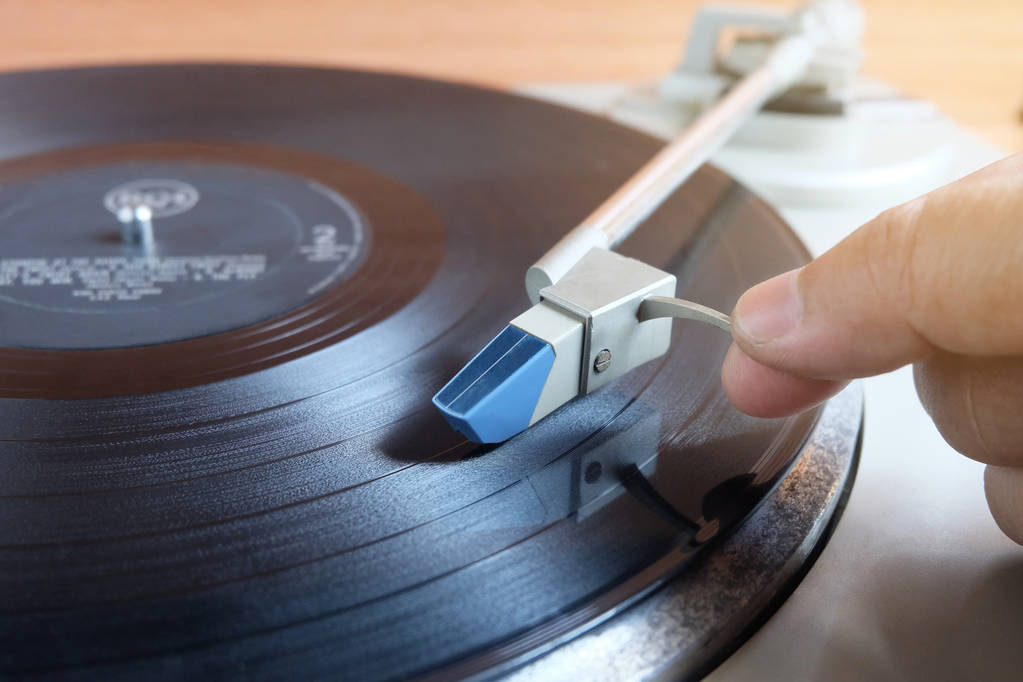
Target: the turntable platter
(219, 455)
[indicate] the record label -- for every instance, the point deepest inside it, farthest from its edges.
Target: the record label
(233, 246)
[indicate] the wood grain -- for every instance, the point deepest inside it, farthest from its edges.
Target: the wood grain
(965, 56)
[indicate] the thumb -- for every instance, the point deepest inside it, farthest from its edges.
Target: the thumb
(943, 272)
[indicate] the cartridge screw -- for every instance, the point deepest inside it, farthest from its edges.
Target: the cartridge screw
(603, 361)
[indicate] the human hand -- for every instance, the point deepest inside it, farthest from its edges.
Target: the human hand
(936, 282)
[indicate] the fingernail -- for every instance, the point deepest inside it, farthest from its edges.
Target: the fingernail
(770, 310)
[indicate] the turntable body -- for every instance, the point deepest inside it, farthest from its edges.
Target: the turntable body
(290, 475)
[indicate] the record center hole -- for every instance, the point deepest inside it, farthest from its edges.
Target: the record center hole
(593, 472)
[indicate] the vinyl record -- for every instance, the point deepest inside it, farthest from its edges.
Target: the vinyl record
(219, 456)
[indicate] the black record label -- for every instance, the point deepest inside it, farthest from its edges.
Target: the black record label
(232, 246)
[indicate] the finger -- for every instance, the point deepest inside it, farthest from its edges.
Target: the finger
(1004, 489)
(942, 272)
(977, 404)
(761, 391)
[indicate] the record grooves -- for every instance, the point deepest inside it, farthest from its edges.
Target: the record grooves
(267, 493)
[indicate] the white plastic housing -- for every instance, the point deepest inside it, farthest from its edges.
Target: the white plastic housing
(564, 332)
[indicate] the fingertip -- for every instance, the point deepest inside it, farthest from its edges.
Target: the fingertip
(1003, 487)
(761, 391)
(768, 311)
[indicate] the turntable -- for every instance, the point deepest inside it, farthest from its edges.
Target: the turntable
(225, 305)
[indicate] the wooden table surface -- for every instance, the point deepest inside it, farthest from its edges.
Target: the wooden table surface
(965, 55)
